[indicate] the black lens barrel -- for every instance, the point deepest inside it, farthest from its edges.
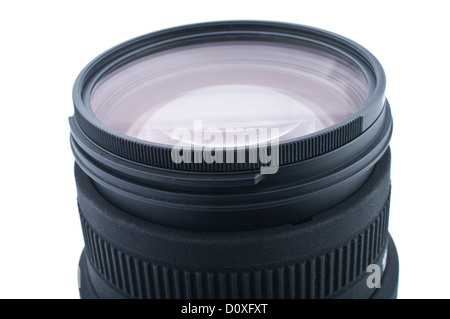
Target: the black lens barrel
(157, 229)
(326, 257)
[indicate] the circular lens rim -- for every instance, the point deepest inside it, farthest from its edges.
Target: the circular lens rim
(307, 83)
(114, 141)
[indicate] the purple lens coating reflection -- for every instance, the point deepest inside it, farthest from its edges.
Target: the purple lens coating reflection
(298, 90)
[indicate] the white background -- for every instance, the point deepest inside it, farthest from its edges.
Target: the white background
(44, 45)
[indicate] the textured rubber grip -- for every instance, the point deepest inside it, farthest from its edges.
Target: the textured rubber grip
(326, 257)
(317, 277)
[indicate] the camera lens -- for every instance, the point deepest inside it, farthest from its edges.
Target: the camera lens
(300, 90)
(236, 159)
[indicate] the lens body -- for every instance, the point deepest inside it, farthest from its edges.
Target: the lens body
(239, 159)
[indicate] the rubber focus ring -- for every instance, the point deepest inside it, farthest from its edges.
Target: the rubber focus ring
(154, 261)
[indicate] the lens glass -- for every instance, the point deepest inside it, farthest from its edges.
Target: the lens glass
(229, 86)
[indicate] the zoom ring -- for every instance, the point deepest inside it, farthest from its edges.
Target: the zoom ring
(317, 277)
